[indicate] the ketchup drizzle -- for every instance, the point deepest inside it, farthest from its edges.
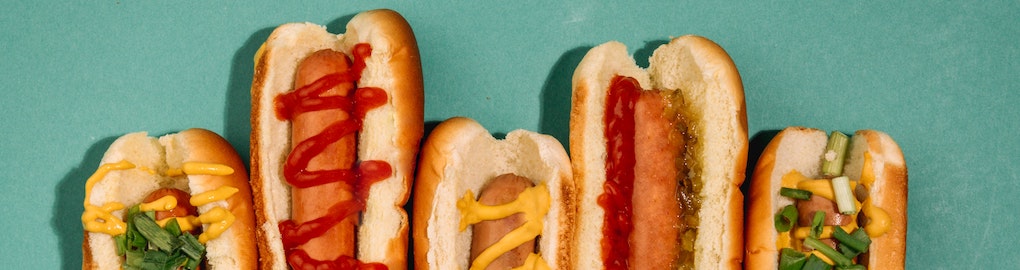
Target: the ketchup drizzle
(619, 185)
(307, 99)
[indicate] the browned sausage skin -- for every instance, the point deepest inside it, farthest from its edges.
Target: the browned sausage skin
(806, 211)
(314, 202)
(656, 149)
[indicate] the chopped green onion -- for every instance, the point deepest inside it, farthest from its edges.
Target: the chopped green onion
(121, 241)
(848, 240)
(173, 227)
(859, 235)
(794, 193)
(862, 235)
(816, 224)
(830, 252)
(175, 262)
(134, 259)
(844, 195)
(786, 218)
(835, 154)
(815, 263)
(192, 264)
(156, 235)
(790, 259)
(134, 210)
(191, 246)
(847, 251)
(156, 257)
(133, 239)
(851, 267)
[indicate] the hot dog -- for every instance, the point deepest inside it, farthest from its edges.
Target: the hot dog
(336, 123)
(483, 203)
(181, 201)
(807, 161)
(659, 155)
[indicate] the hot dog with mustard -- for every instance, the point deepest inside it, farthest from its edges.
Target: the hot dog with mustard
(180, 201)
(484, 203)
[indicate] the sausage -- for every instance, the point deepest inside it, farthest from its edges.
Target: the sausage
(314, 202)
(183, 209)
(501, 190)
(806, 212)
(655, 185)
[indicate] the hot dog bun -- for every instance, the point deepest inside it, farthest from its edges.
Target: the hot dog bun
(390, 133)
(152, 158)
(709, 101)
(460, 156)
(801, 149)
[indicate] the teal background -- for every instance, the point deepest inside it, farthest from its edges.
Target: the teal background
(941, 77)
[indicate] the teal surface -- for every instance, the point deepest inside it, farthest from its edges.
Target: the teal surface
(941, 77)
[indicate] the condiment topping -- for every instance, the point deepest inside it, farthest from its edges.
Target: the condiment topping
(832, 243)
(146, 241)
(619, 185)
(309, 98)
(102, 220)
(533, 202)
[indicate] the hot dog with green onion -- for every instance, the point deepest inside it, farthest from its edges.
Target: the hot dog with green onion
(819, 201)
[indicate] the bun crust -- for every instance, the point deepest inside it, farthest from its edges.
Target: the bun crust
(801, 149)
(461, 155)
(708, 81)
(390, 133)
(235, 248)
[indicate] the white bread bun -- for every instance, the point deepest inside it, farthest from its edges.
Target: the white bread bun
(234, 249)
(460, 155)
(801, 149)
(707, 80)
(389, 133)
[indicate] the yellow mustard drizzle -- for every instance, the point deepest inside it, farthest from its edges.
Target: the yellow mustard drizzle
(166, 203)
(101, 173)
(101, 219)
(218, 194)
(867, 172)
(186, 223)
(219, 220)
(878, 220)
(200, 168)
(533, 202)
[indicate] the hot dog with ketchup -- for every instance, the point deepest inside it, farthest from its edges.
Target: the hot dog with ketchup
(818, 201)
(483, 203)
(336, 122)
(658, 155)
(181, 201)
